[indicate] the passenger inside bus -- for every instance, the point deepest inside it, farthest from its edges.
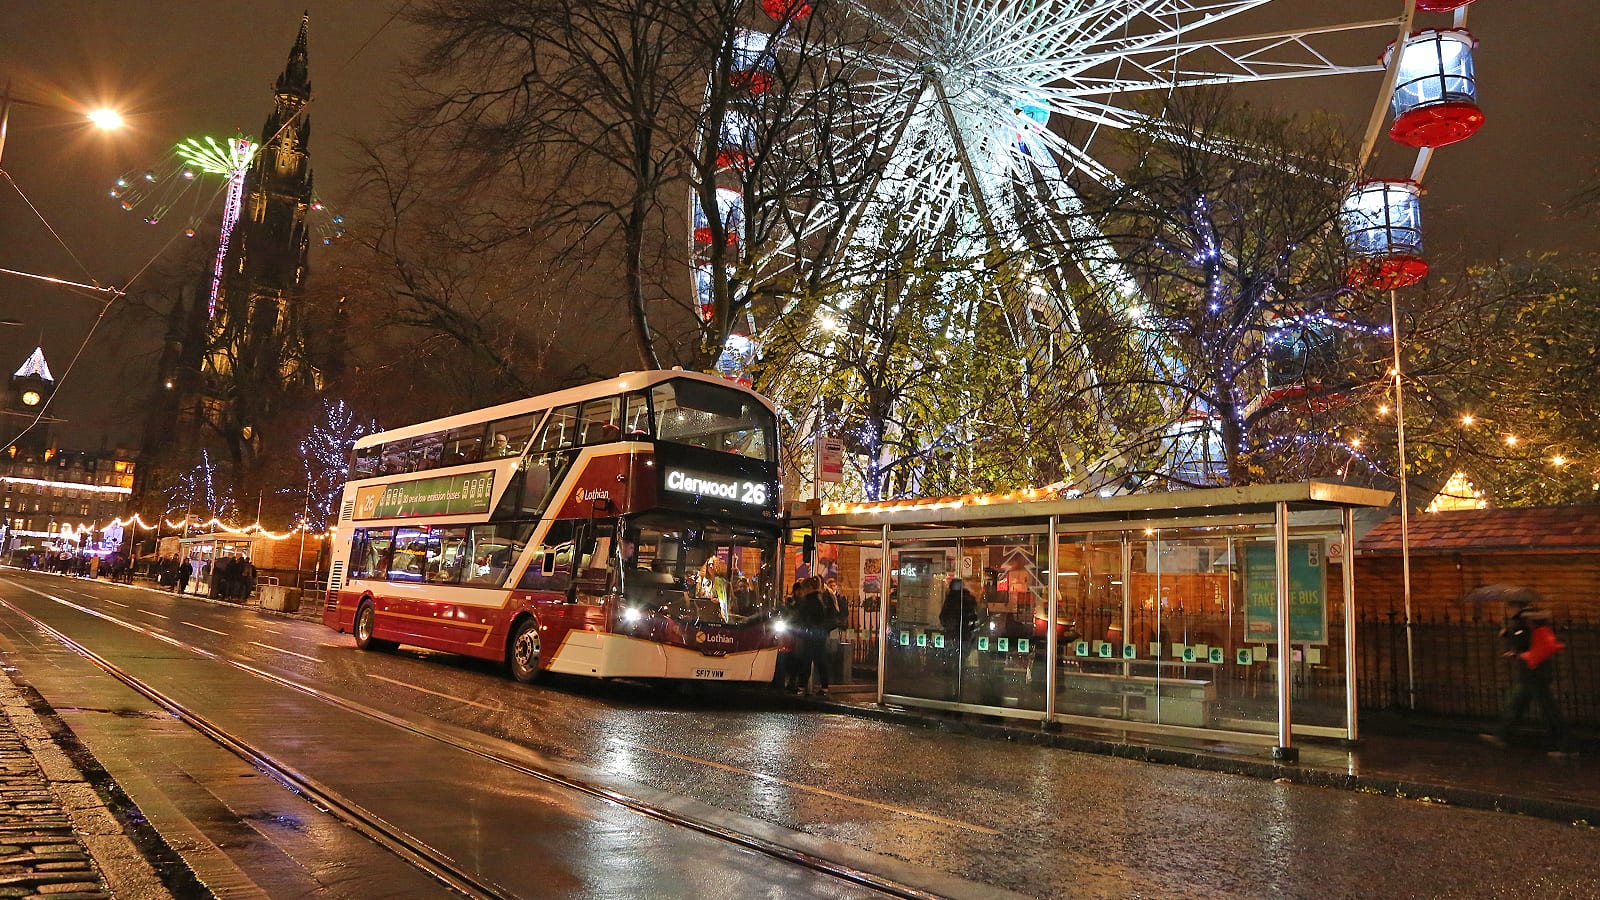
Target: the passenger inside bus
(498, 448)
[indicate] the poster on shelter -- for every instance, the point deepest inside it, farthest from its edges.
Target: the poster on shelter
(1308, 593)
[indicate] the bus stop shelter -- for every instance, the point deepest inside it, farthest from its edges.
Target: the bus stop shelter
(1222, 613)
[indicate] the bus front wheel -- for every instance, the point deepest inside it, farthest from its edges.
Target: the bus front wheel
(523, 659)
(366, 621)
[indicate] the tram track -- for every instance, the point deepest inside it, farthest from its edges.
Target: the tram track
(405, 846)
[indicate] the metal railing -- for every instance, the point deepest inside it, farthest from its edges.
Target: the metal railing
(1461, 672)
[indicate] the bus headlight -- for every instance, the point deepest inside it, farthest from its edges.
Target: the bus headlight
(780, 626)
(631, 615)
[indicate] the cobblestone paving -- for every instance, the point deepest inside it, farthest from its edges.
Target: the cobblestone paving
(40, 852)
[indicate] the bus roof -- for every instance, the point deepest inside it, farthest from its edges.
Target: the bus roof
(627, 381)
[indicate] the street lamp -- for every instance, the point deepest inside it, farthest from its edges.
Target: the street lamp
(107, 119)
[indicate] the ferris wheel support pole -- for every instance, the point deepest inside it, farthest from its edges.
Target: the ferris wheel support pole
(1405, 507)
(1380, 110)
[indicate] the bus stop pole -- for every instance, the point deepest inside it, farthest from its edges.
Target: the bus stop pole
(1052, 609)
(1285, 751)
(1348, 565)
(885, 591)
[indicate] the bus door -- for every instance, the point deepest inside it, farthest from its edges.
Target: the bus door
(595, 574)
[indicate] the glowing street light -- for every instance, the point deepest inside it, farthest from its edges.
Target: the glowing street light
(103, 118)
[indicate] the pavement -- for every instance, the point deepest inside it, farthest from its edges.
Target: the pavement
(67, 830)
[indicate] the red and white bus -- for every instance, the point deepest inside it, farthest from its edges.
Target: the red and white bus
(625, 529)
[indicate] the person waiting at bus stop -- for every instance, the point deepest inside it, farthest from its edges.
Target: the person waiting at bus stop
(812, 618)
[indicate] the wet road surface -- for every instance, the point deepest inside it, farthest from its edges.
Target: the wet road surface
(961, 814)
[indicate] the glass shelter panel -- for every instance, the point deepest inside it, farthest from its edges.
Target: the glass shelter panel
(967, 622)
(1157, 628)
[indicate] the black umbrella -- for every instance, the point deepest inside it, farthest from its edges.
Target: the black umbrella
(1502, 593)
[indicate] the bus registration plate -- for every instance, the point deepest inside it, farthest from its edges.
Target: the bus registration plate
(710, 673)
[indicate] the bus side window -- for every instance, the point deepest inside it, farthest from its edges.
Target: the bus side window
(550, 569)
(463, 445)
(395, 457)
(380, 546)
(636, 417)
(411, 546)
(600, 420)
(559, 430)
(358, 553)
(429, 448)
(447, 555)
(365, 464)
(509, 437)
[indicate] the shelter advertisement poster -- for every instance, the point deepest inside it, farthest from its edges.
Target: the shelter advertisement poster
(449, 496)
(1308, 593)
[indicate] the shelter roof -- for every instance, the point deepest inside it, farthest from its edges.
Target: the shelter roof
(1123, 510)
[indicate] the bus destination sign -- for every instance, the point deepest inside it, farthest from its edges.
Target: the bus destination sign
(449, 496)
(682, 481)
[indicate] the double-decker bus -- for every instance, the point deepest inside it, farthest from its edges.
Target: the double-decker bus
(625, 529)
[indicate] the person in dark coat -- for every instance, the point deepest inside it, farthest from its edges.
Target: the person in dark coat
(184, 571)
(959, 613)
(813, 616)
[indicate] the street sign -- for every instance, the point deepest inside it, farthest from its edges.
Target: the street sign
(830, 458)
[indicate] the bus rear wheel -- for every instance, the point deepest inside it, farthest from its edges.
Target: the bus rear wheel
(523, 656)
(366, 621)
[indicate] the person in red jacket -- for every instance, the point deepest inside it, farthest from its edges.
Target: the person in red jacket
(1532, 649)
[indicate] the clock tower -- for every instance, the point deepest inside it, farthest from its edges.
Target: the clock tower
(26, 396)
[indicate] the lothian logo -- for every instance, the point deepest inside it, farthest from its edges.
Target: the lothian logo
(594, 495)
(702, 637)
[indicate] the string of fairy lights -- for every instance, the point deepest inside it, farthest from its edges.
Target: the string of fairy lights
(211, 526)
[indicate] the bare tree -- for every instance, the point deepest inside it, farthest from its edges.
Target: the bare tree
(1228, 220)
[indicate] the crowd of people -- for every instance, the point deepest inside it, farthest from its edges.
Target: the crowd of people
(117, 566)
(813, 610)
(232, 578)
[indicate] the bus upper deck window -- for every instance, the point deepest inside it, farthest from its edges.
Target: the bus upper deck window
(636, 418)
(600, 420)
(560, 430)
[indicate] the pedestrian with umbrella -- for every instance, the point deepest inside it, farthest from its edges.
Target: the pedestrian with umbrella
(1531, 646)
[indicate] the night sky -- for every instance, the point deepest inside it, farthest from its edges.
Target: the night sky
(182, 69)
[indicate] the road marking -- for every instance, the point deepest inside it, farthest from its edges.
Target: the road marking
(899, 810)
(146, 612)
(290, 652)
(113, 602)
(203, 628)
(495, 708)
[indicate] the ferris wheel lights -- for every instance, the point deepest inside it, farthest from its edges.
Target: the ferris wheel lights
(150, 176)
(1435, 92)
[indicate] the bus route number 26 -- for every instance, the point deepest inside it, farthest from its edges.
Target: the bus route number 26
(753, 493)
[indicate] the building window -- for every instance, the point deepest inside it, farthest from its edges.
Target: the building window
(83, 509)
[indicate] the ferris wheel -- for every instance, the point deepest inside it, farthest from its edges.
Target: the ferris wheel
(990, 109)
